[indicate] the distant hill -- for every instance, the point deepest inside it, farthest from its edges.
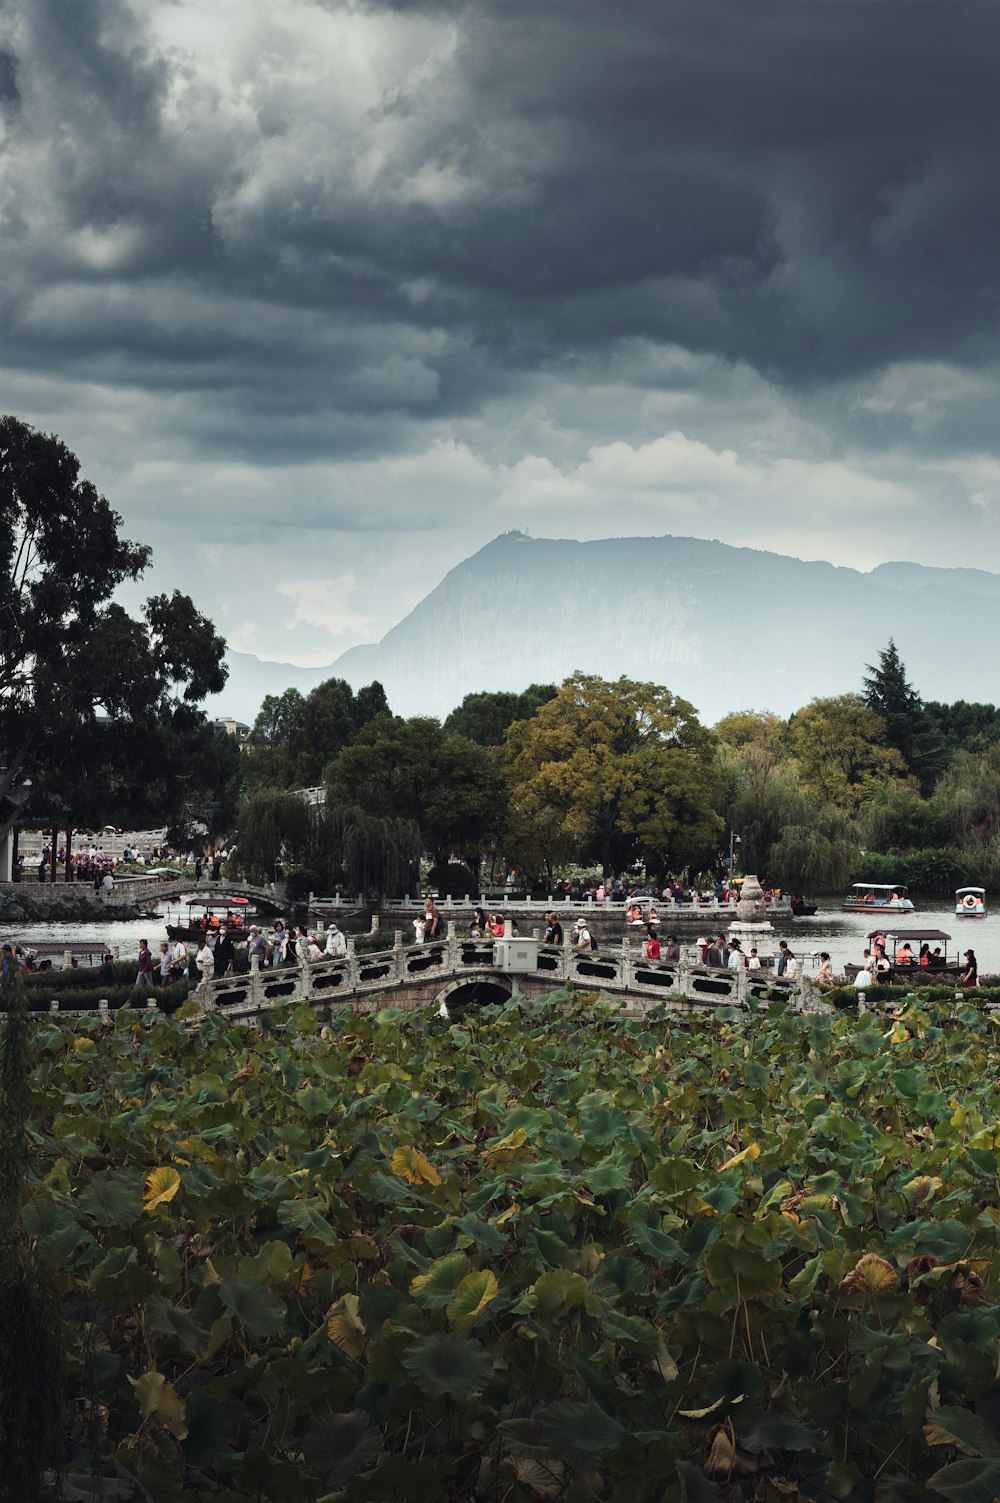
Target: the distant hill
(726, 628)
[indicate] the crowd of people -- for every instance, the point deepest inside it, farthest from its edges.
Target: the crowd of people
(221, 947)
(673, 892)
(98, 866)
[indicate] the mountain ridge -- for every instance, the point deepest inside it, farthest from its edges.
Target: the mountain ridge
(725, 627)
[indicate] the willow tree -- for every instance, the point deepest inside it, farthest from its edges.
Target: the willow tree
(276, 826)
(339, 842)
(817, 855)
(373, 852)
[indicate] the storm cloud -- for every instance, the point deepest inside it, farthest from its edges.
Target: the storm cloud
(378, 281)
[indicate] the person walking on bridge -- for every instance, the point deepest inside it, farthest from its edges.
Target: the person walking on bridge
(145, 971)
(433, 922)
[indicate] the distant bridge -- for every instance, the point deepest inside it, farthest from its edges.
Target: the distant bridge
(129, 892)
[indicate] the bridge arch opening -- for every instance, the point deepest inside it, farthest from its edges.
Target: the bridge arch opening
(483, 989)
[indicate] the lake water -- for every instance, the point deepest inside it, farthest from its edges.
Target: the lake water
(844, 935)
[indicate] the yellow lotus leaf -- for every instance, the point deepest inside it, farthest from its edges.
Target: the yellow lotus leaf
(870, 1275)
(162, 1185)
(83, 1045)
(501, 1154)
(507, 1215)
(474, 1293)
(410, 1164)
(345, 1328)
(752, 1151)
(159, 1400)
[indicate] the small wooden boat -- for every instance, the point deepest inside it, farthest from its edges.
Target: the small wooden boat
(970, 902)
(802, 909)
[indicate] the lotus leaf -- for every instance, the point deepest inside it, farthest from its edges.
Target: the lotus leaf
(413, 1166)
(472, 1297)
(448, 1364)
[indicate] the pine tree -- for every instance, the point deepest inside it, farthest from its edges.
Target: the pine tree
(909, 727)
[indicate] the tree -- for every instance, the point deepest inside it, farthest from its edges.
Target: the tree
(336, 842)
(617, 771)
(840, 743)
(84, 687)
(889, 695)
(295, 737)
(61, 558)
(484, 717)
(149, 750)
(412, 770)
(914, 732)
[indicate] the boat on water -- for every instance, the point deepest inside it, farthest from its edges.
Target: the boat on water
(801, 908)
(908, 954)
(970, 902)
(211, 913)
(863, 897)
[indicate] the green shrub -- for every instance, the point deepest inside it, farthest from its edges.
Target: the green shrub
(300, 881)
(452, 879)
(80, 997)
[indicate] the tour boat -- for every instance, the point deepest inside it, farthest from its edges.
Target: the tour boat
(211, 913)
(970, 902)
(865, 896)
(892, 940)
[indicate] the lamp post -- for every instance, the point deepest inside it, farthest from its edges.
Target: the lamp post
(734, 840)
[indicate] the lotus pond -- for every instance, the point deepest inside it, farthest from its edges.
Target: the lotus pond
(533, 1254)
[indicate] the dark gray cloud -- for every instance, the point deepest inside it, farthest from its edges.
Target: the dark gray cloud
(422, 266)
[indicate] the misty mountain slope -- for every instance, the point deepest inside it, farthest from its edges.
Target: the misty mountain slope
(726, 628)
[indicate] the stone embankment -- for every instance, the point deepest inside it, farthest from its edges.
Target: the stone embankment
(38, 902)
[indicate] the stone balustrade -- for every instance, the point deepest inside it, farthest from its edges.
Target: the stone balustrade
(417, 974)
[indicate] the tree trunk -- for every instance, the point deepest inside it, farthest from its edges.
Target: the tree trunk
(68, 874)
(52, 853)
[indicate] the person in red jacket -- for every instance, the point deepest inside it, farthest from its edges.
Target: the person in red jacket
(652, 946)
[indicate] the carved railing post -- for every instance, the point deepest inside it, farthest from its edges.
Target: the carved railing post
(353, 973)
(451, 955)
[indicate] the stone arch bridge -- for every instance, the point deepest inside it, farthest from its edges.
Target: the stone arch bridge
(457, 970)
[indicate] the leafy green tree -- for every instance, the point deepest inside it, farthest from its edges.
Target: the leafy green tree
(621, 770)
(894, 817)
(485, 716)
(818, 853)
(963, 726)
(61, 559)
(413, 770)
(840, 744)
(86, 689)
(141, 749)
(295, 736)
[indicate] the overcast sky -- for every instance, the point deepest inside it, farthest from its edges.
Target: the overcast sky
(325, 295)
